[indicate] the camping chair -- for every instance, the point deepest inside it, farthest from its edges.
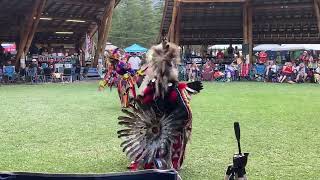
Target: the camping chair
(245, 71)
(40, 74)
(182, 73)
(22, 75)
(33, 75)
(9, 72)
(260, 70)
(67, 75)
(1, 75)
(47, 75)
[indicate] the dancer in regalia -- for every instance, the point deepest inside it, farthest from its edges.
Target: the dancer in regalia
(126, 84)
(158, 122)
(111, 77)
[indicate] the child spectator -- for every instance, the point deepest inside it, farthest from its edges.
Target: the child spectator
(271, 71)
(287, 73)
(193, 72)
(217, 75)
(301, 72)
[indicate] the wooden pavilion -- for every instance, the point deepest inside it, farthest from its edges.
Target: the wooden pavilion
(55, 21)
(204, 22)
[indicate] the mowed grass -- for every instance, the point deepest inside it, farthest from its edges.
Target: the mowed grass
(71, 128)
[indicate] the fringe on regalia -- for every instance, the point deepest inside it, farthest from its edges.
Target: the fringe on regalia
(158, 123)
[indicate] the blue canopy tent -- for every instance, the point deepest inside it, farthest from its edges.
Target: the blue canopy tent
(135, 48)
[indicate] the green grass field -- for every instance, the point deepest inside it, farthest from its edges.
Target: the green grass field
(71, 128)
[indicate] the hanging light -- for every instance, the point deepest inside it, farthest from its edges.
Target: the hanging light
(64, 32)
(75, 20)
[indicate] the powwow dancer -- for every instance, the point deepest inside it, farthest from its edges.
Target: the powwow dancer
(158, 123)
(126, 84)
(111, 77)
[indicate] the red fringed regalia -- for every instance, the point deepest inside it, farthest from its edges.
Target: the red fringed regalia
(158, 123)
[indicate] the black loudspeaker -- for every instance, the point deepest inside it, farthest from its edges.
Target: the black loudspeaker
(139, 175)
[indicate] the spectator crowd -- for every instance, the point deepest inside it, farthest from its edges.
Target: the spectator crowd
(304, 68)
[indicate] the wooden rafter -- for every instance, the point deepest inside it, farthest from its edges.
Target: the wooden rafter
(24, 33)
(211, 1)
(174, 30)
(35, 25)
(97, 3)
(317, 12)
(103, 31)
(250, 31)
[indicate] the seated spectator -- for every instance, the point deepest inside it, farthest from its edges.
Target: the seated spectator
(22, 74)
(193, 72)
(312, 64)
(301, 72)
(230, 71)
(271, 71)
(207, 71)
(1, 74)
(217, 74)
(287, 73)
(262, 57)
(8, 71)
(317, 74)
(220, 56)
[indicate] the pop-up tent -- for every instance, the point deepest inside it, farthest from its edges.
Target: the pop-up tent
(110, 46)
(286, 47)
(267, 47)
(135, 48)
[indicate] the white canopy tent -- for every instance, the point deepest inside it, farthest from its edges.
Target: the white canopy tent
(292, 47)
(315, 47)
(110, 46)
(267, 47)
(286, 47)
(223, 47)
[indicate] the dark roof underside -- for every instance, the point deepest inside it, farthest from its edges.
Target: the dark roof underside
(274, 21)
(13, 13)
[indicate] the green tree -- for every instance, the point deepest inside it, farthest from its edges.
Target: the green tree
(136, 21)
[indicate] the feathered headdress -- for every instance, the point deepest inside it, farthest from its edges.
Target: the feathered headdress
(163, 60)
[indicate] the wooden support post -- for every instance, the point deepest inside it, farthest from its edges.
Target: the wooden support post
(317, 12)
(177, 25)
(245, 23)
(24, 33)
(247, 28)
(173, 26)
(34, 26)
(103, 30)
(108, 28)
(250, 32)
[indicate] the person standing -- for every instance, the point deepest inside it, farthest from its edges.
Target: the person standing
(220, 56)
(135, 62)
(230, 52)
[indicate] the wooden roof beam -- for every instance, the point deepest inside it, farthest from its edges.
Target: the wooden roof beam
(62, 17)
(212, 1)
(103, 31)
(25, 31)
(96, 3)
(35, 25)
(317, 12)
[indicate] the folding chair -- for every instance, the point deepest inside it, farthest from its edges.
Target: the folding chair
(67, 75)
(9, 72)
(47, 75)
